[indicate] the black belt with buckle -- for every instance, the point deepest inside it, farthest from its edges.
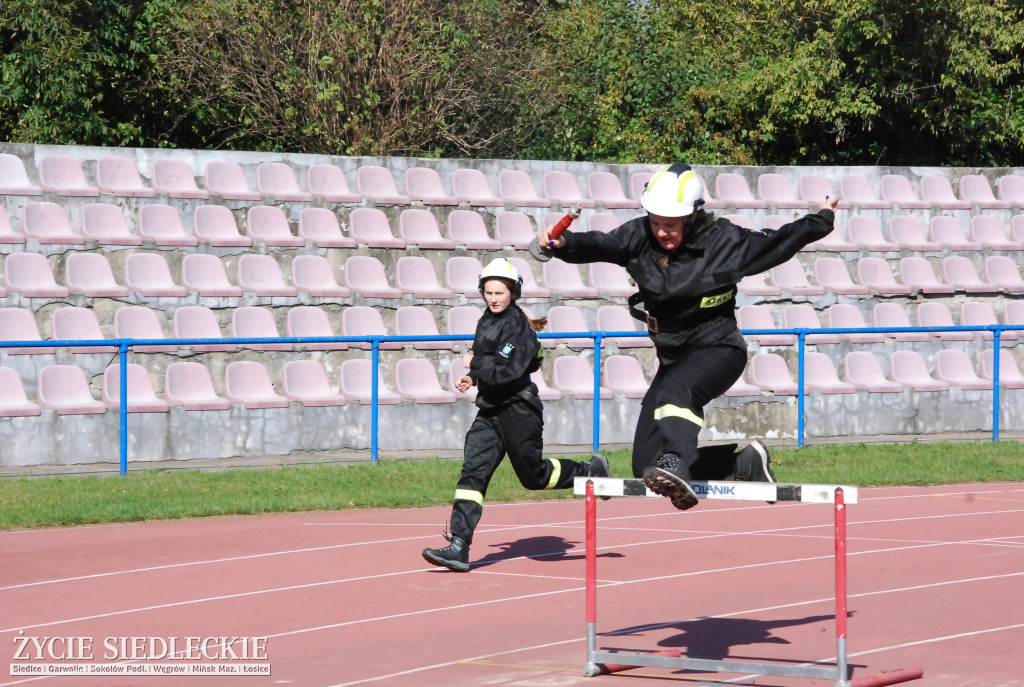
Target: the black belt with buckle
(653, 325)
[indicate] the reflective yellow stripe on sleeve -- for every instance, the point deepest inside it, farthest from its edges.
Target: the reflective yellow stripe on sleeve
(556, 472)
(675, 411)
(469, 495)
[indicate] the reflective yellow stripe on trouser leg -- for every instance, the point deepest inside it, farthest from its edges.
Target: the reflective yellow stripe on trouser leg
(669, 410)
(469, 495)
(556, 472)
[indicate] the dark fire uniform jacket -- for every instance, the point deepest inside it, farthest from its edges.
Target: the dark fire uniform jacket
(506, 351)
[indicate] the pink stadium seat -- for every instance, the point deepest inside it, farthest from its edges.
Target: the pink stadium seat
(833, 275)
(416, 320)
(909, 369)
(14, 177)
(64, 176)
(776, 190)
(365, 275)
(424, 184)
(740, 220)
(377, 184)
(277, 180)
(574, 375)
(320, 226)
(261, 275)
(741, 387)
(313, 274)
(981, 314)
(204, 274)
(467, 228)
(813, 189)
(898, 191)
(949, 232)
(141, 397)
(545, 392)
(199, 322)
(610, 280)
(754, 285)
(462, 275)
(310, 321)
(976, 190)
(624, 375)
(938, 190)
(531, 289)
(1017, 228)
(955, 368)
(563, 319)
(1009, 374)
(7, 233)
(1011, 189)
(255, 322)
(1004, 272)
(415, 274)
(48, 223)
(918, 274)
(162, 225)
(462, 319)
(267, 224)
(988, 230)
(936, 314)
(215, 225)
(777, 222)
(140, 322)
(710, 203)
(770, 372)
(456, 370)
(227, 180)
(149, 275)
(514, 229)
(552, 218)
(959, 271)
(418, 227)
(247, 382)
(30, 275)
(516, 187)
(832, 242)
(471, 186)
(804, 316)
(604, 188)
(791, 277)
(616, 318)
(175, 179)
(876, 274)
(564, 278)
(106, 223)
(856, 190)
(849, 316)
(561, 187)
(328, 183)
(363, 320)
(13, 401)
(90, 274)
(603, 222)
(355, 382)
(120, 176)
(19, 324)
(908, 232)
(863, 370)
(866, 232)
(306, 382)
(638, 183)
(64, 388)
(820, 375)
(732, 190)
(895, 315)
(759, 317)
(416, 379)
(189, 385)
(370, 226)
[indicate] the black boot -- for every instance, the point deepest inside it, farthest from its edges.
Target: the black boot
(455, 556)
(666, 477)
(754, 464)
(597, 466)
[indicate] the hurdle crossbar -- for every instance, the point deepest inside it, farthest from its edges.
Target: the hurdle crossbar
(599, 663)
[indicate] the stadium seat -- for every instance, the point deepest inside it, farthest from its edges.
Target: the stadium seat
(741, 387)
(363, 320)
(30, 275)
(462, 275)
(849, 316)
(19, 324)
(936, 314)
(370, 227)
(277, 180)
(820, 375)
(603, 222)
(306, 382)
(740, 220)
(14, 177)
(918, 274)
(161, 224)
(776, 190)
(227, 180)
(64, 176)
(777, 222)
(885, 315)
(471, 186)
(563, 319)
(770, 372)
(199, 322)
(551, 218)
(174, 178)
(804, 316)
(564, 278)
(466, 228)
(899, 192)
(416, 379)
(148, 274)
(863, 370)
(937, 189)
(267, 224)
(310, 321)
(981, 314)
(65, 389)
(140, 322)
(759, 317)
(1009, 374)
(813, 189)
(791, 277)
(120, 176)
(461, 320)
(710, 202)
(204, 274)
(832, 274)
(753, 285)
(562, 187)
(988, 230)
(638, 183)
(189, 385)
(314, 274)
(574, 375)
(255, 322)
(320, 226)
(365, 275)
(856, 190)
(947, 231)
(514, 229)
(545, 392)
(456, 370)
(13, 401)
(378, 185)
(106, 224)
(610, 280)
(516, 187)
(1010, 188)
(616, 318)
(415, 274)
(417, 320)
(960, 272)
(141, 397)
(424, 184)
(7, 233)
(624, 375)
(732, 190)
(247, 382)
(832, 242)
(866, 232)
(1017, 228)
(531, 289)
(328, 183)
(955, 368)
(48, 223)
(909, 369)
(907, 232)
(1003, 272)
(261, 275)
(976, 190)
(355, 383)
(604, 188)
(90, 274)
(876, 274)
(215, 225)
(418, 227)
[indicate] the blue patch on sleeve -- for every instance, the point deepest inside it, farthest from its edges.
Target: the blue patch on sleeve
(506, 350)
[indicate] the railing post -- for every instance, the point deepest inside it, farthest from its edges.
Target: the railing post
(375, 372)
(122, 358)
(597, 389)
(800, 382)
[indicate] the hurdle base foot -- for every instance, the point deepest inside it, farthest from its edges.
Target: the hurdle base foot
(892, 678)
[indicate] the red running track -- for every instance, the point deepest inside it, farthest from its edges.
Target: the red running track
(936, 579)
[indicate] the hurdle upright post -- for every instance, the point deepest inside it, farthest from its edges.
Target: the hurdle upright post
(840, 558)
(591, 668)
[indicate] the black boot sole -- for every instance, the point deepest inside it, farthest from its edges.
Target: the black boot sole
(664, 483)
(455, 566)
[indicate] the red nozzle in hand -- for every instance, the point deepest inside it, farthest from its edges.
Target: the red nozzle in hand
(563, 224)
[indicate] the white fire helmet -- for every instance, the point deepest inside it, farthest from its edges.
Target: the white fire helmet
(502, 268)
(675, 191)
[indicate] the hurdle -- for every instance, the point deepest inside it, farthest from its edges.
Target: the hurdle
(601, 663)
